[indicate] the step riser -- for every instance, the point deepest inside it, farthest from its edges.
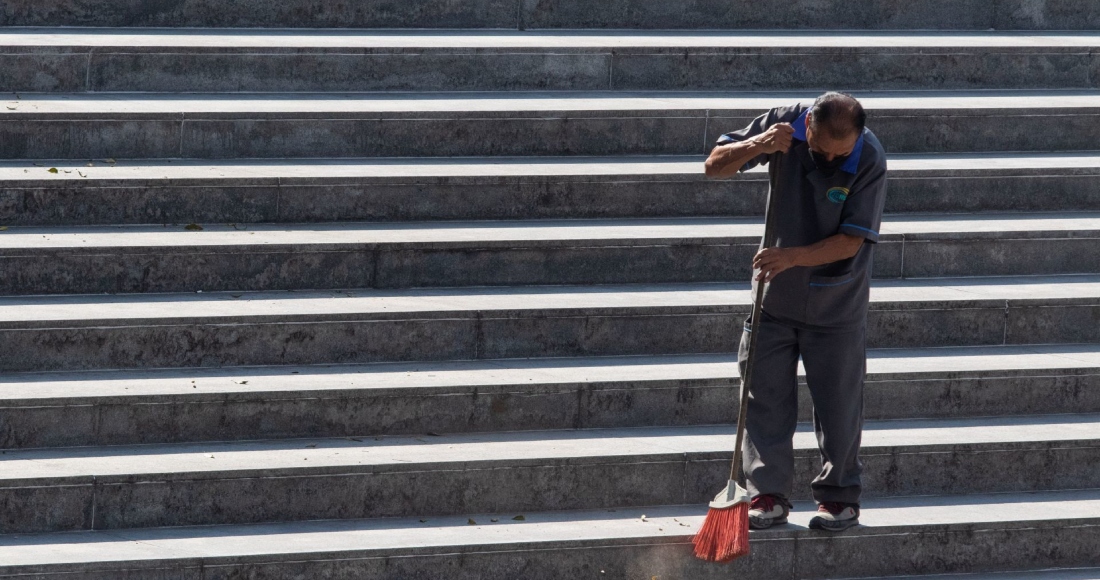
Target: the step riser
(973, 547)
(618, 197)
(297, 268)
(49, 69)
(143, 420)
(488, 335)
(449, 489)
(638, 261)
(682, 132)
(687, 14)
(431, 199)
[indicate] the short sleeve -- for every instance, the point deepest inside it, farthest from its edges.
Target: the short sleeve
(758, 126)
(862, 212)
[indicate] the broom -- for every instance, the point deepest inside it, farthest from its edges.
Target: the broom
(724, 535)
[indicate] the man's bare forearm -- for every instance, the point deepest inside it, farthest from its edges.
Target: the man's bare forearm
(773, 261)
(831, 249)
(727, 160)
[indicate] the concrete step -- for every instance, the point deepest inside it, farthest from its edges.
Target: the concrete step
(978, 533)
(310, 190)
(350, 478)
(710, 14)
(1049, 574)
(261, 257)
(170, 406)
(221, 126)
(364, 326)
(211, 60)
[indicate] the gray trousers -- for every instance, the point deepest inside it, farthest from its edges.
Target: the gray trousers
(836, 364)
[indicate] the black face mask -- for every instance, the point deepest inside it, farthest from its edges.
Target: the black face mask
(828, 168)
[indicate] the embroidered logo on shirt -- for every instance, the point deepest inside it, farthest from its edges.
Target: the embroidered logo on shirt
(837, 194)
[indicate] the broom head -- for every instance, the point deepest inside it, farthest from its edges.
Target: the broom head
(725, 533)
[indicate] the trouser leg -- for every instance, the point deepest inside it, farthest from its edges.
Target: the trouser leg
(836, 365)
(773, 408)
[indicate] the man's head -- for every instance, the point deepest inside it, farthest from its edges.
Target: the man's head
(833, 126)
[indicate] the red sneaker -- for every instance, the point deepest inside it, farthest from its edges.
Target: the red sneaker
(834, 516)
(766, 511)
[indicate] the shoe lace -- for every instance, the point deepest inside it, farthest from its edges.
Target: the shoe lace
(764, 503)
(832, 507)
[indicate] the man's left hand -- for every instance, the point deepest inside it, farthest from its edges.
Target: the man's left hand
(772, 261)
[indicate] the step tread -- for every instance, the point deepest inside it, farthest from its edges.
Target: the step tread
(194, 105)
(329, 455)
(535, 232)
(882, 364)
(546, 529)
(298, 171)
(1052, 574)
(199, 38)
(241, 306)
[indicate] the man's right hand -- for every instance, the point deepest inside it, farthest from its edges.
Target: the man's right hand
(777, 139)
(726, 160)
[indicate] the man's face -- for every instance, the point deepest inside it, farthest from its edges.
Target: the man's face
(826, 146)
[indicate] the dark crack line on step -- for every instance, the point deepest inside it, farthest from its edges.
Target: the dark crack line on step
(278, 198)
(477, 335)
(95, 493)
(183, 130)
(901, 266)
(88, 72)
(706, 127)
(611, 73)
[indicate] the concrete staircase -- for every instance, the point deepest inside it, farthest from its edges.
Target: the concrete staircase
(454, 301)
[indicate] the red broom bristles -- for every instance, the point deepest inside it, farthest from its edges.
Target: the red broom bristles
(725, 534)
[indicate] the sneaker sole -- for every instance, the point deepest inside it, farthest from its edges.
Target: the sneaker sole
(835, 526)
(760, 524)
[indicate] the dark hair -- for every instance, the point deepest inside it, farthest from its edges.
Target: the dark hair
(839, 114)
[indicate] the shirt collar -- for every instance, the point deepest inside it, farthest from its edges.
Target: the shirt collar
(850, 166)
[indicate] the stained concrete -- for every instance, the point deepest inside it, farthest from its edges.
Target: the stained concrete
(603, 539)
(563, 123)
(686, 14)
(809, 14)
(317, 190)
(123, 407)
(105, 60)
(983, 405)
(252, 13)
(187, 405)
(1047, 574)
(371, 255)
(362, 326)
(325, 479)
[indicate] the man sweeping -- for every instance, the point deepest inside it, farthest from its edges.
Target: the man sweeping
(828, 188)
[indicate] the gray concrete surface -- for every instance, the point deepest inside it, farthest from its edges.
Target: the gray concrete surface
(563, 123)
(285, 480)
(187, 405)
(320, 190)
(363, 326)
(512, 14)
(1009, 527)
(1049, 574)
(262, 257)
(976, 385)
(106, 60)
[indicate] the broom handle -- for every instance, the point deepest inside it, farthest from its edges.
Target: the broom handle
(757, 309)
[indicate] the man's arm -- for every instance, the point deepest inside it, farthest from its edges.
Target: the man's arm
(727, 160)
(772, 261)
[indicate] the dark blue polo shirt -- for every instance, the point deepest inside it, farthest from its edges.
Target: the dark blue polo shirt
(810, 206)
